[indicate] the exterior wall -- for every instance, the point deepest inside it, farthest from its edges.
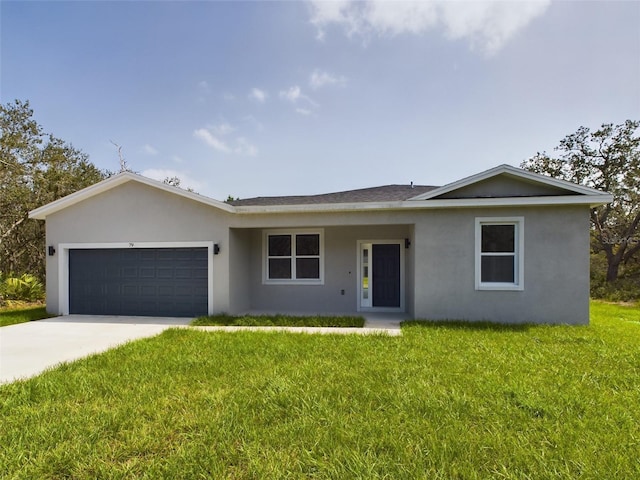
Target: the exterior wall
(556, 268)
(137, 213)
(240, 260)
(410, 274)
(341, 273)
(439, 265)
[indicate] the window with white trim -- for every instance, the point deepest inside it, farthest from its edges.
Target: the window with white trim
(499, 253)
(293, 257)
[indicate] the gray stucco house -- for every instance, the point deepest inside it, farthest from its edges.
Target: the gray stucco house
(504, 245)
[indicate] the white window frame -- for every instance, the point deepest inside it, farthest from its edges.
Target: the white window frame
(518, 283)
(292, 281)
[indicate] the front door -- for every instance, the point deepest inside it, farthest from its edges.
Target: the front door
(380, 277)
(386, 275)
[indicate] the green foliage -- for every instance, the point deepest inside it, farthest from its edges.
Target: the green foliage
(607, 159)
(624, 289)
(12, 316)
(25, 288)
(35, 168)
(279, 320)
(440, 402)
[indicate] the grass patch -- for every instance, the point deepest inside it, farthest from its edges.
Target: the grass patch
(278, 320)
(440, 402)
(14, 315)
(623, 312)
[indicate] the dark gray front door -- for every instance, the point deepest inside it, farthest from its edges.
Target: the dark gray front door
(169, 282)
(386, 275)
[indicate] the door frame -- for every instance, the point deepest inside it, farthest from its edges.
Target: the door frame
(360, 245)
(63, 265)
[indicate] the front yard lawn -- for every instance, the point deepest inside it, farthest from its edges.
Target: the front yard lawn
(13, 315)
(442, 401)
(279, 320)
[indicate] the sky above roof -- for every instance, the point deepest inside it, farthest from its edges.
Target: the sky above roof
(297, 98)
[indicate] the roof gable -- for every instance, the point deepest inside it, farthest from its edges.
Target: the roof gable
(121, 178)
(506, 181)
(500, 186)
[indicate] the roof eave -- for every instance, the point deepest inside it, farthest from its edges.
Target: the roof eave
(590, 200)
(41, 213)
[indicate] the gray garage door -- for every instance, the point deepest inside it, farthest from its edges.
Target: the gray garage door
(169, 282)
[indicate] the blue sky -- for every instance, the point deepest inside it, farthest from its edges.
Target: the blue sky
(279, 98)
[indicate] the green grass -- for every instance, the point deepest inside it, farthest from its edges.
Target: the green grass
(11, 316)
(449, 402)
(279, 320)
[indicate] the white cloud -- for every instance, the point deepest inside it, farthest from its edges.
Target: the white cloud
(486, 24)
(254, 122)
(185, 180)
(149, 150)
(207, 137)
(217, 137)
(243, 147)
(294, 94)
(338, 11)
(222, 129)
(203, 91)
(203, 86)
(319, 79)
(258, 95)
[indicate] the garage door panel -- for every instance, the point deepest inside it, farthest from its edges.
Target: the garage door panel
(147, 272)
(165, 290)
(184, 272)
(130, 290)
(201, 290)
(157, 282)
(106, 272)
(108, 289)
(148, 291)
(165, 272)
(129, 272)
(200, 273)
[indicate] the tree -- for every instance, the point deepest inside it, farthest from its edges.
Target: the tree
(124, 166)
(35, 168)
(607, 159)
(173, 181)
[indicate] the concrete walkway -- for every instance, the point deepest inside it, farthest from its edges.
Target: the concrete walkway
(309, 330)
(29, 348)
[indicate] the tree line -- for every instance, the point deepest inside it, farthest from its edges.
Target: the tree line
(607, 159)
(37, 168)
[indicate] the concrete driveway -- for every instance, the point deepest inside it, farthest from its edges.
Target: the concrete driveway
(29, 348)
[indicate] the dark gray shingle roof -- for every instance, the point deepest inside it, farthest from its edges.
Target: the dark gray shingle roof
(386, 193)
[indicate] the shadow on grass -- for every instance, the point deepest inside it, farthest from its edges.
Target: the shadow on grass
(468, 325)
(279, 321)
(15, 315)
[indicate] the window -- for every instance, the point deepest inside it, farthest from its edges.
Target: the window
(293, 257)
(499, 253)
